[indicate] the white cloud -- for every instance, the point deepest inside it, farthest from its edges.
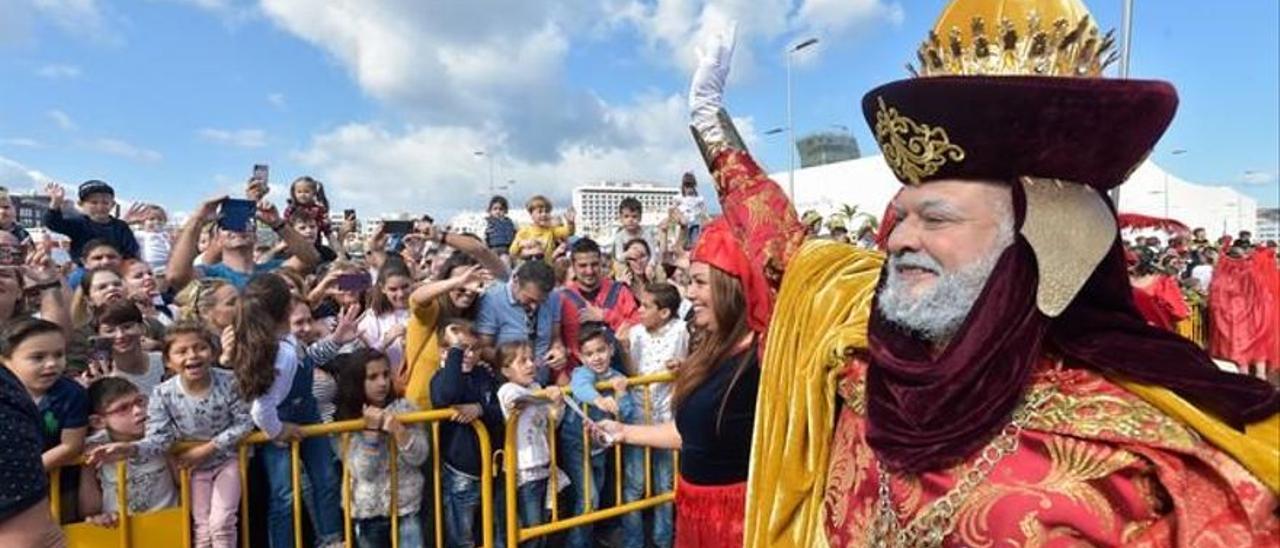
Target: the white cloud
(672, 28)
(432, 168)
(455, 63)
(61, 118)
(123, 149)
(57, 72)
(277, 100)
(85, 19)
(462, 79)
(20, 142)
(20, 178)
(245, 138)
(1253, 177)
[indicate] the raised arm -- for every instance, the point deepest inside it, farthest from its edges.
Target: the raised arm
(753, 204)
(181, 270)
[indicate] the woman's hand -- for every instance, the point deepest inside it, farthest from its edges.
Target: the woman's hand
(613, 431)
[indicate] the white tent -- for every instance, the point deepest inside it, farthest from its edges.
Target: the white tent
(868, 184)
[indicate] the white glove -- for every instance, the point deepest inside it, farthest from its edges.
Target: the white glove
(706, 93)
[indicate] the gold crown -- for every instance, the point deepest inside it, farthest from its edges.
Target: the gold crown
(1071, 46)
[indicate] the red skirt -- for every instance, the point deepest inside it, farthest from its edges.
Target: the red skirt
(710, 516)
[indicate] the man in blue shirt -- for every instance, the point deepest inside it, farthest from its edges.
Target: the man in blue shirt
(237, 264)
(520, 309)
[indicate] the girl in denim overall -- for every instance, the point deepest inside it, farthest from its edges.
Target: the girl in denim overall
(275, 377)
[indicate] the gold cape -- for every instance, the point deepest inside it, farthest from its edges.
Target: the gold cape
(820, 320)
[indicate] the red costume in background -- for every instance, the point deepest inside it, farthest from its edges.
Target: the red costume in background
(1244, 315)
(1161, 303)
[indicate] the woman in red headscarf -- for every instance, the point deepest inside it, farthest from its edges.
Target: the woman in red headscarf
(715, 391)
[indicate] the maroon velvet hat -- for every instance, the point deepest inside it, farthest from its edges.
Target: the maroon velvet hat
(1091, 131)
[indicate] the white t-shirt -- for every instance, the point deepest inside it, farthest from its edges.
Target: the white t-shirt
(691, 209)
(651, 352)
(373, 327)
(149, 379)
(1203, 274)
(533, 454)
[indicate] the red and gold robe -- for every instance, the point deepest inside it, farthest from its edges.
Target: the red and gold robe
(1096, 466)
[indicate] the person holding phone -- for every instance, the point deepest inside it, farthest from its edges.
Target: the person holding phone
(238, 241)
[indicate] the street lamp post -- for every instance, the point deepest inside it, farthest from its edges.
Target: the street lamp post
(1166, 182)
(485, 154)
(1125, 46)
(791, 130)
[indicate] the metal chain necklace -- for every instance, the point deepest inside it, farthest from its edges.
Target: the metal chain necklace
(932, 525)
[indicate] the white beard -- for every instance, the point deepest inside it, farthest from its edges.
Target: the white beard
(938, 314)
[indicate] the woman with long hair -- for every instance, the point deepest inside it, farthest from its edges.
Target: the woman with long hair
(715, 393)
(277, 381)
(453, 294)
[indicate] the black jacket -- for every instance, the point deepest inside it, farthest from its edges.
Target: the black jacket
(449, 387)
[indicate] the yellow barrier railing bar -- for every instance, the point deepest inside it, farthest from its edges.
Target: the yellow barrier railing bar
(354, 425)
(295, 477)
(184, 499)
(554, 480)
(393, 484)
(439, 490)
(55, 495)
(122, 502)
(243, 458)
(347, 528)
(515, 534)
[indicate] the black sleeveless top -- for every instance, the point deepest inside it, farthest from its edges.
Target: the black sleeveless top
(711, 456)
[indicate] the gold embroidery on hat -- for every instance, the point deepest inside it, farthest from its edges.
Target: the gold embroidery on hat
(913, 151)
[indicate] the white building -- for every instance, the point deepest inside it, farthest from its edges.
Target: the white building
(1268, 224)
(868, 184)
(597, 204)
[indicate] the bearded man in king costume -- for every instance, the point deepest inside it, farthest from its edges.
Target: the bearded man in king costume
(987, 380)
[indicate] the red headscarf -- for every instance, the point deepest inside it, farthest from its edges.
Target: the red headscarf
(719, 247)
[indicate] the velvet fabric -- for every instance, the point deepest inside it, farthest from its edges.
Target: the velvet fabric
(932, 410)
(1088, 130)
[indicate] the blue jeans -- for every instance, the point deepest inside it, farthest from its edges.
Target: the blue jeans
(632, 490)
(571, 462)
(531, 504)
(663, 481)
(316, 455)
(376, 532)
(461, 500)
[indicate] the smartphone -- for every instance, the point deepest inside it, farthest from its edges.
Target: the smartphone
(354, 282)
(349, 214)
(236, 215)
(260, 173)
(102, 349)
(397, 227)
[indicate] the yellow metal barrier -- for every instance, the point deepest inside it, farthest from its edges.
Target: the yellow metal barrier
(156, 528)
(1195, 326)
(515, 534)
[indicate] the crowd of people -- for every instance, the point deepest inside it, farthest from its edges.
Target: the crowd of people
(258, 319)
(993, 363)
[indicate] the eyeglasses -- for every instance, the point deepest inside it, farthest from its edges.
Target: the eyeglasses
(119, 407)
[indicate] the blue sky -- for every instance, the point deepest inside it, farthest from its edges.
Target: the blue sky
(174, 100)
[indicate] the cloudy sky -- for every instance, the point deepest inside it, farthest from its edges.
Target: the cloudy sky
(388, 101)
